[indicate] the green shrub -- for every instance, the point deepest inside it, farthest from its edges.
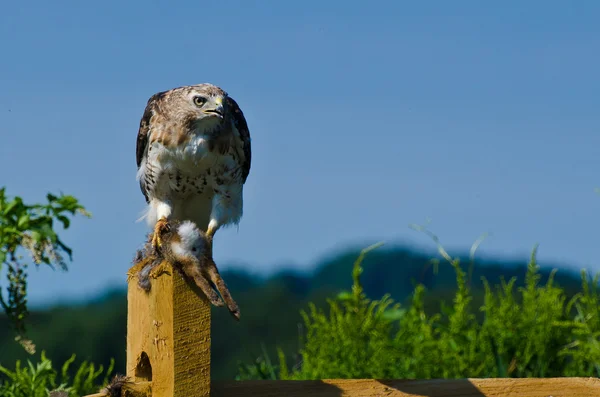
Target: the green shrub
(31, 228)
(533, 331)
(38, 380)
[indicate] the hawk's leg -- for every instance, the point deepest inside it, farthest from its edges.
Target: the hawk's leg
(227, 208)
(163, 212)
(156, 241)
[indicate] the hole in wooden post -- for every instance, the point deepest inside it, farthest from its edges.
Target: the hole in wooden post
(143, 369)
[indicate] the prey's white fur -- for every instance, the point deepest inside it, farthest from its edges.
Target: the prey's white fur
(192, 242)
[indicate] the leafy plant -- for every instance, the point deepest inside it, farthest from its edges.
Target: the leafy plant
(39, 380)
(529, 331)
(30, 227)
(351, 335)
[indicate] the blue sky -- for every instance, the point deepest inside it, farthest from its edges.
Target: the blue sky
(365, 117)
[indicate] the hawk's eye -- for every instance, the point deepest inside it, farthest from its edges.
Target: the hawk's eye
(199, 101)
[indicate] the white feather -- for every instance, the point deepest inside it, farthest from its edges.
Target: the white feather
(191, 160)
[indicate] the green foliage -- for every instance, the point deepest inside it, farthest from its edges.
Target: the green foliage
(40, 379)
(271, 309)
(585, 346)
(355, 330)
(530, 331)
(31, 228)
(262, 368)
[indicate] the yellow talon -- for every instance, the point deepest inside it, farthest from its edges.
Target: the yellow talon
(156, 240)
(210, 232)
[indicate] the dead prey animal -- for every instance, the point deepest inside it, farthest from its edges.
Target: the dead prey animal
(187, 249)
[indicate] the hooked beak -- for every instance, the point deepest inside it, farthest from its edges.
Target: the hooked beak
(217, 109)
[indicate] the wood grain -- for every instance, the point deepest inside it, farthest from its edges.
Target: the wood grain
(498, 387)
(168, 336)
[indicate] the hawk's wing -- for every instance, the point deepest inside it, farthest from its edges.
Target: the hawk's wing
(141, 149)
(242, 126)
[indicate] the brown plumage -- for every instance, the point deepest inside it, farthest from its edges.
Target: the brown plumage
(193, 154)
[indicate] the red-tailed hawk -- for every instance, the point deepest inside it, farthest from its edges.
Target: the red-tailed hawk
(193, 157)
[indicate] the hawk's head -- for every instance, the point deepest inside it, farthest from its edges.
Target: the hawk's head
(201, 107)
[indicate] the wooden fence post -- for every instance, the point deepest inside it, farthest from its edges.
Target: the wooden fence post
(168, 336)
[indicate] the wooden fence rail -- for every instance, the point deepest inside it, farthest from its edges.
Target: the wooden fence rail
(168, 355)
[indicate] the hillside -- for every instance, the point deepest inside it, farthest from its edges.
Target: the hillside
(270, 308)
